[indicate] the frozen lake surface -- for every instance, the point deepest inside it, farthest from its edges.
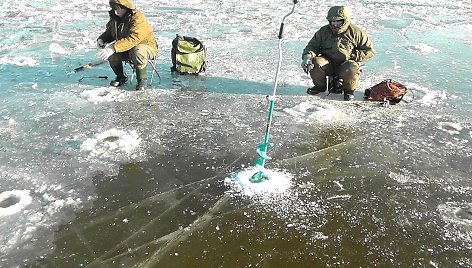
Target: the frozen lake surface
(101, 177)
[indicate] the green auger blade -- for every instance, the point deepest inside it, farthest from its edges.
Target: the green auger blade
(262, 151)
(260, 162)
(258, 177)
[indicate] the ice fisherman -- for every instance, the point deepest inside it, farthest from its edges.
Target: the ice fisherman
(128, 37)
(336, 50)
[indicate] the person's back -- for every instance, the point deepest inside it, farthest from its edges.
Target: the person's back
(335, 50)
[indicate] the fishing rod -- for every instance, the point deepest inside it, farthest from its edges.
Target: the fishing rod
(89, 65)
(104, 77)
(262, 149)
(92, 64)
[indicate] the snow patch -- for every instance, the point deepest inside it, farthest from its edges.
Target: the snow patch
(458, 219)
(451, 128)
(310, 111)
(277, 182)
(114, 144)
(426, 96)
(104, 94)
(57, 49)
(422, 49)
(19, 60)
(404, 177)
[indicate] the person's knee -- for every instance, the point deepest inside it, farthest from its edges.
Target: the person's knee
(320, 63)
(139, 55)
(349, 69)
(137, 58)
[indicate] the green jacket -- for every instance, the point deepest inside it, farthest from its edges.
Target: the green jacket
(130, 30)
(348, 42)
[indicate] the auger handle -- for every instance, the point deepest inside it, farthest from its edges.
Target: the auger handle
(281, 30)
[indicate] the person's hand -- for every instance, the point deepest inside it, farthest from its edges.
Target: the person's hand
(101, 43)
(307, 63)
(105, 53)
(353, 55)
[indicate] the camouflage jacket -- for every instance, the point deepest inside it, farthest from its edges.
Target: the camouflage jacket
(348, 42)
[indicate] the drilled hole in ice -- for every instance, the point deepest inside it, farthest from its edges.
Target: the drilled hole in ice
(9, 201)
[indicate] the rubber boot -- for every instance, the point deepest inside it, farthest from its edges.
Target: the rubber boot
(142, 79)
(121, 78)
(335, 85)
(315, 90)
(348, 95)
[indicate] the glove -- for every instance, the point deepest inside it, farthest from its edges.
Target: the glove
(105, 53)
(101, 43)
(307, 63)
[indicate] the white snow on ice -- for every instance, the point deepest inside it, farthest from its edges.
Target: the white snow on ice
(57, 49)
(104, 94)
(316, 112)
(450, 127)
(276, 182)
(19, 60)
(113, 144)
(233, 34)
(422, 49)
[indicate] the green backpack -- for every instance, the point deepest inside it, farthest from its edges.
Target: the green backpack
(188, 55)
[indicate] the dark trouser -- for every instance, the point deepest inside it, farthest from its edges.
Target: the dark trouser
(138, 55)
(349, 71)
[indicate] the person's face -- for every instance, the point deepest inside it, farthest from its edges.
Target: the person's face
(336, 23)
(119, 10)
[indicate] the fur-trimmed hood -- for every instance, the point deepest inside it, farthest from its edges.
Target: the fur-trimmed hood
(339, 13)
(126, 3)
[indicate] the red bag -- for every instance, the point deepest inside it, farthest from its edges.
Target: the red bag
(386, 91)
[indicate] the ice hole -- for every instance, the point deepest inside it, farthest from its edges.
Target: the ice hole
(9, 201)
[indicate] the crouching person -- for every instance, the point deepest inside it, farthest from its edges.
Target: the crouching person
(336, 50)
(128, 37)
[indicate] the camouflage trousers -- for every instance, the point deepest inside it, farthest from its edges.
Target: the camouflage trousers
(349, 71)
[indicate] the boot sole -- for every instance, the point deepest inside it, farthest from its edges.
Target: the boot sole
(118, 83)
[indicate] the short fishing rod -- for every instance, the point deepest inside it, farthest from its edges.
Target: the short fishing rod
(92, 64)
(89, 65)
(104, 77)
